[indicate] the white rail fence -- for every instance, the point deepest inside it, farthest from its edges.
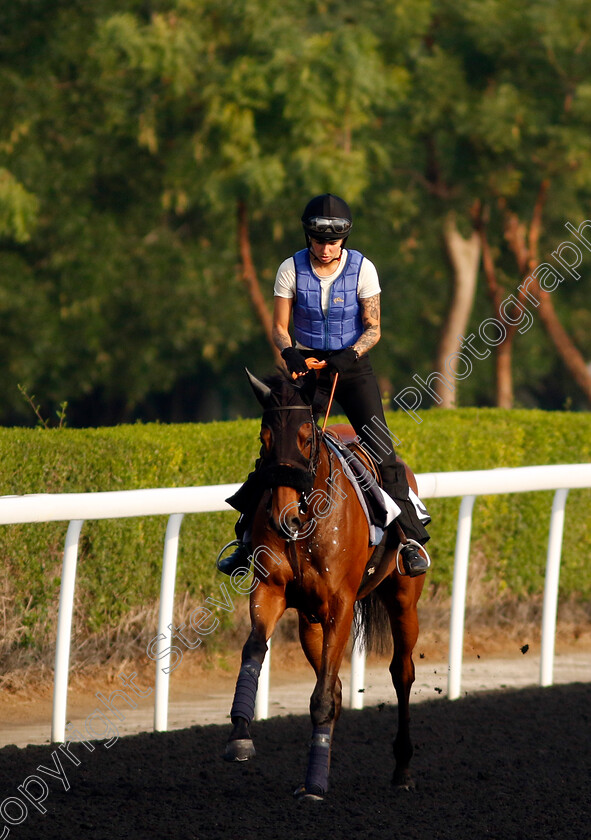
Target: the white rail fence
(176, 502)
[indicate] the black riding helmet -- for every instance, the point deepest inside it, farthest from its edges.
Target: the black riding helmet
(327, 218)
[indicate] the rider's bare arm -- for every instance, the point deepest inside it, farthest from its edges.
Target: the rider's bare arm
(370, 318)
(281, 316)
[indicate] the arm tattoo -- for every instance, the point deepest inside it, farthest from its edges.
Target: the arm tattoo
(370, 318)
(281, 341)
(370, 309)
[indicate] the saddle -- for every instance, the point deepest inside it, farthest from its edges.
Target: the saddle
(363, 473)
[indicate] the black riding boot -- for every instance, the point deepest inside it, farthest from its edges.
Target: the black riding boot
(245, 500)
(414, 561)
(240, 557)
(413, 536)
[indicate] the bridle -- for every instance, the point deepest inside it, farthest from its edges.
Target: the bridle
(312, 460)
(288, 474)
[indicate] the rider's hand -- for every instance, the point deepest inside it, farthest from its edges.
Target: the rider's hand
(343, 360)
(294, 360)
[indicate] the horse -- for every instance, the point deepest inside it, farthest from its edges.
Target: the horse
(311, 551)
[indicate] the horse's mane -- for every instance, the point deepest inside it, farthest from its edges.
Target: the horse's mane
(275, 381)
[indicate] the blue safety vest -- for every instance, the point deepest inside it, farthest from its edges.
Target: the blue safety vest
(342, 324)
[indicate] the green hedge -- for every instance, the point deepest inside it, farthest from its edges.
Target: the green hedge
(120, 560)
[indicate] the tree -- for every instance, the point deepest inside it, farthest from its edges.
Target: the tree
(464, 255)
(153, 159)
(497, 120)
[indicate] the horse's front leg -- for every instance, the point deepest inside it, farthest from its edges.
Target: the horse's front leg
(325, 703)
(267, 605)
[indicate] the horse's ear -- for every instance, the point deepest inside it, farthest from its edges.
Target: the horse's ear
(261, 391)
(308, 386)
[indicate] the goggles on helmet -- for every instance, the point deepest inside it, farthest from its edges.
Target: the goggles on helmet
(320, 224)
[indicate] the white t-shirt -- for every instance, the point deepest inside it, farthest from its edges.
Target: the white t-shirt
(368, 283)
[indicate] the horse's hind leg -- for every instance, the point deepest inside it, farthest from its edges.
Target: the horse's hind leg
(267, 605)
(400, 596)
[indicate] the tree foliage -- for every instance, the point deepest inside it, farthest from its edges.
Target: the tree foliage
(134, 132)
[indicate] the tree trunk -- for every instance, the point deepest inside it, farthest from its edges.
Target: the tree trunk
(504, 350)
(504, 374)
(527, 257)
(250, 279)
(569, 353)
(464, 255)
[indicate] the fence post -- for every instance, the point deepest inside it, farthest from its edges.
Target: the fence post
(169, 560)
(357, 671)
(551, 587)
(261, 703)
(458, 597)
(64, 631)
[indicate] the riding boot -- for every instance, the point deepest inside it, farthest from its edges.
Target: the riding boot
(245, 500)
(414, 561)
(240, 557)
(408, 538)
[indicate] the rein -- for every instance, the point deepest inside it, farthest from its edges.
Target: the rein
(334, 385)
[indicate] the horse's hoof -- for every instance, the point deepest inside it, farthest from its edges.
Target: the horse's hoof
(314, 794)
(404, 784)
(402, 789)
(239, 750)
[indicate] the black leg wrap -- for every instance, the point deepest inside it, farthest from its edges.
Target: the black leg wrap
(318, 762)
(246, 690)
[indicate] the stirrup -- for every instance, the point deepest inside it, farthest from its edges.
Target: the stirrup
(238, 544)
(422, 548)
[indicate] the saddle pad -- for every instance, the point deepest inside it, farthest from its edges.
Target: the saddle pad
(378, 507)
(344, 434)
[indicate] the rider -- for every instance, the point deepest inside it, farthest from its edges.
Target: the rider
(333, 295)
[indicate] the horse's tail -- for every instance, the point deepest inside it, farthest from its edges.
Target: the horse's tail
(372, 623)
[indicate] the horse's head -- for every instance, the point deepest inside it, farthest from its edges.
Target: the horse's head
(289, 439)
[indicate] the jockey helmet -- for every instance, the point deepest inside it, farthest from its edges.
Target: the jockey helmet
(327, 218)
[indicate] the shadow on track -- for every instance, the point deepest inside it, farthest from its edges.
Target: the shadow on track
(503, 765)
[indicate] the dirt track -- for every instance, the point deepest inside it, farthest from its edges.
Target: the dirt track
(508, 764)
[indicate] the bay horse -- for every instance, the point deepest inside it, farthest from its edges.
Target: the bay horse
(311, 550)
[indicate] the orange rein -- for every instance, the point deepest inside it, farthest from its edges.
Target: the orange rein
(315, 364)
